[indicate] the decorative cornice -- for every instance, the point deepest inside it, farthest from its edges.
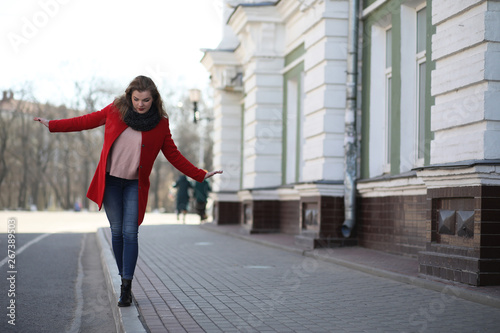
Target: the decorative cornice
(401, 186)
(255, 195)
(244, 15)
(295, 192)
(287, 8)
(475, 175)
(370, 9)
(318, 189)
(219, 57)
(224, 68)
(225, 196)
(288, 194)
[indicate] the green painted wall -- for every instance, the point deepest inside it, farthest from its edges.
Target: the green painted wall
(367, 3)
(295, 72)
(396, 92)
(429, 99)
(296, 53)
(365, 98)
(392, 8)
(242, 150)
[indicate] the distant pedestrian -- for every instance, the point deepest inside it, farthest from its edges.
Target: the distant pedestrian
(201, 192)
(136, 129)
(182, 185)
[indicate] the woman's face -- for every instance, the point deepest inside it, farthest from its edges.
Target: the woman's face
(142, 101)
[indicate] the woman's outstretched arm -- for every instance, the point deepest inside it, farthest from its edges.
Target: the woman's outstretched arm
(79, 123)
(42, 120)
(210, 174)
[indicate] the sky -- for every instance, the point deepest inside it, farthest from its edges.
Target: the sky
(49, 45)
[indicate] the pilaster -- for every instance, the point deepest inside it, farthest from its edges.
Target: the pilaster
(324, 88)
(465, 85)
(226, 81)
(261, 54)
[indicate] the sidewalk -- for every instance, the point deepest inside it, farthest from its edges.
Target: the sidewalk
(197, 279)
(395, 267)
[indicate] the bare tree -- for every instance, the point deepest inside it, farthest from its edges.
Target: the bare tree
(40, 160)
(6, 118)
(23, 151)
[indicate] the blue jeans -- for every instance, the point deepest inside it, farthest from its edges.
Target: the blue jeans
(121, 202)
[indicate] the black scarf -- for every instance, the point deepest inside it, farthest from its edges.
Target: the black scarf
(142, 122)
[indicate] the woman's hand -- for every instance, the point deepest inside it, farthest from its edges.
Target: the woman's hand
(210, 174)
(42, 120)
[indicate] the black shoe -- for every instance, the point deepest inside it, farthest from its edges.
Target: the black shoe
(126, 293)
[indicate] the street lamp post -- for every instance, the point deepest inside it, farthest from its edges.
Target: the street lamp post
(194, 96)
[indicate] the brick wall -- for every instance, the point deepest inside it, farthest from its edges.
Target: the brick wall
(260, 216)
(290, 217)
(332, 217)
(489, 251)
(393, 224)
(226, 212)
(463, 252)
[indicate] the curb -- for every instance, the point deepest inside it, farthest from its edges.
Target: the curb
(444, 288)
(127, 319)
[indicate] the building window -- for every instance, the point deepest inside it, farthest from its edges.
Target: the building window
(293, 126)
(381, 114)
(397, 122)
(414, 108)
(242, 150)
(293, 116)
(388, 99)
(421, 39)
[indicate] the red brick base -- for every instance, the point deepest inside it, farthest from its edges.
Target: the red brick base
(392, 224)
(463, 235)
(226, 212)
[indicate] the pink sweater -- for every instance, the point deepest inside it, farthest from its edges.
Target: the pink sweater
(123, 160)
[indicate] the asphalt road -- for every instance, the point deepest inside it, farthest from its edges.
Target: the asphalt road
(56, 284)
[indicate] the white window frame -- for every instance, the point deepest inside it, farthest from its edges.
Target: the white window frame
(419, 161)
(387, 109)
(410, 61)
(300, 129)
(387, 121)
(295, 119)
(420, 58)
(377, 151)
(292, 113)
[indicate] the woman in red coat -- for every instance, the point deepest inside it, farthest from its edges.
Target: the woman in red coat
(136, 129)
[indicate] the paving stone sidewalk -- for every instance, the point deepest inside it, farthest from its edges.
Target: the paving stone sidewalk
(191, 279)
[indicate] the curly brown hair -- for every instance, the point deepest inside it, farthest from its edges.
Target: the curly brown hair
(140, 83)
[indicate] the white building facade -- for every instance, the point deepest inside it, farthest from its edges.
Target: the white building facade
(428, 183)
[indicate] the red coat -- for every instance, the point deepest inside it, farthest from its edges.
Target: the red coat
(153, 141)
